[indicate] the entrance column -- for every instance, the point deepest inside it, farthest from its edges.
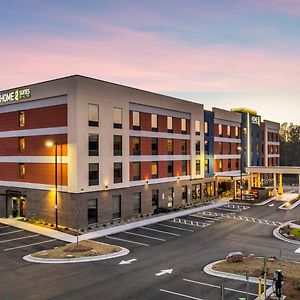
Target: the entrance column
(234, 191)
(275, 184)
(258, 180)
(280, 189)
(250, 182)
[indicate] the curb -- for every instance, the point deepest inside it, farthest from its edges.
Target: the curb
(208, 269)
(32, 259)
(280, 237)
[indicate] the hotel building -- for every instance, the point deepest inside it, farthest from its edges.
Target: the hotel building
(109, 152)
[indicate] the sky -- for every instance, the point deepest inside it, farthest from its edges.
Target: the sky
(222, 53)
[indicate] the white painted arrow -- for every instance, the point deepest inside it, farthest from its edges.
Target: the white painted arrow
(271, 204)
(127, 262)
(163, 272)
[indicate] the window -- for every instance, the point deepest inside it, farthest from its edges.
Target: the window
(183, 125)
(229, 164)
(236, 131)
(206, 128)
(21, 144)
(154, 198)
(154, 146)
(197, 127)
(170, 147)
(184, 193)
(183, 168)
(22, 170)
(237, 164)
(170, 197)
(198, 148)
(136, 120)
(92, 211)
(154, 122)
(228, 130)
(136, 146)
(220, 148)
(136, 169)
(93, 174)
(170, 124)
(220, 129)
(21, 118)
(198, 167)
(93, 144)
(206, 166)
(116, 207)
(94, 115)
(117, 172)
(137, 203)
(184, 147)
(170, 168)
(117, 145)
(154, 169)
(117, 117)
(220, 165)
(206, 147)
(229, 148)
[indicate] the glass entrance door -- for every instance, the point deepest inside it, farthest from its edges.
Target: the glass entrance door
(15, 207)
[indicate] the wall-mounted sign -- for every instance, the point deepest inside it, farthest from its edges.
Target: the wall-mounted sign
(255, 120)
(15, 96)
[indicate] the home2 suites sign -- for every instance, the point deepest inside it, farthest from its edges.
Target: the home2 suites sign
(15, 96)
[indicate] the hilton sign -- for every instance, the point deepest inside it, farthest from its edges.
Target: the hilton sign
(15, 96)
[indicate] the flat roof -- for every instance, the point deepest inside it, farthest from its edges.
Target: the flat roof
(274, 170)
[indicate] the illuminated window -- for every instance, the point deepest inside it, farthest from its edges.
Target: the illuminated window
(220, 165)
(154, 168)
(136, 120)
(220, 129)
(21, 144)
(183, 125)
(228, 130)
(206, 147)
(206, 166)
(198, 167)
(170, 124)
(117, 117)
(154, 122)
(22, 170)
(206, 130)
(21, 118)
(94, 115)
(170, 197)
(136, 147)
(183, 167)
(236, 131)
(197, 127)
(170, 147)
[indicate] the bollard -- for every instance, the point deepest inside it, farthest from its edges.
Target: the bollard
(259, 288)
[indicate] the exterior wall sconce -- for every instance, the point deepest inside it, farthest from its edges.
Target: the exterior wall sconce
(106, 187)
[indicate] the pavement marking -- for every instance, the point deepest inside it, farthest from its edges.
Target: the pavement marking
(20, 238)
(217, 286)
(164, 272)
(161, 231)
(29, 245)
(190, 222)
(175, 227)
(145, 236)
(5, 226)
(217, 219)
(127, 241)
(179, 294)
(209, 220)
(15, 231)
(127, 262)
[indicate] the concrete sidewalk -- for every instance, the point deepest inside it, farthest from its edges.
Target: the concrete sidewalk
(103, 232)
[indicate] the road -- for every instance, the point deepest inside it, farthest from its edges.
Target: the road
(184, 245)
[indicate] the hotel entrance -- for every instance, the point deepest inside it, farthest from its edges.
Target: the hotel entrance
(15, 204)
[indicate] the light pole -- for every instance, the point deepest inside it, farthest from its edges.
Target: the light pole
(50, 144)
(240, 149)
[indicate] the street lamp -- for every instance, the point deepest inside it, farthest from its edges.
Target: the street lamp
(50, 144)
(239, 148)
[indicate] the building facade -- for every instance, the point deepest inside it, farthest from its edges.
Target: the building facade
(110, 152)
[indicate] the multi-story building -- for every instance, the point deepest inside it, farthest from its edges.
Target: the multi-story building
(120, 151)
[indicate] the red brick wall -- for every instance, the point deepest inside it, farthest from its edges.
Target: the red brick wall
(34, 146)
(34, 173)
(146, 170)
(177, 168)
(162, 123)
(145, 121)
(162, 169)
(162, 147)
(146, 146)
(52, 116)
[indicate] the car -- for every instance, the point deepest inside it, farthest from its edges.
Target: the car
(164, 209)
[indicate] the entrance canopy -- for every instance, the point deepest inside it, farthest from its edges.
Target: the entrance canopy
(274, 170)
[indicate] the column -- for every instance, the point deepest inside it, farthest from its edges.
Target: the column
(250, 182)
(299, 186)
(280, 189)
(275, 184)
(234, 191)
(258, 180)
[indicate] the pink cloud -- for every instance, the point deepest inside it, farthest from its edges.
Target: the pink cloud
(147, 61)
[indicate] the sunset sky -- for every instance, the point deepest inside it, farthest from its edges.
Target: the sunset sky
(223, 53)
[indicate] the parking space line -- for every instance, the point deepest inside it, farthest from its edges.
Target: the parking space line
(29, 245)
(127, 241)
(179, 294)
(175, 227)
(217, 286)
(156, 230)
(20, 238)
(205, 218)
(15, 231)
(5, 226)
(145, 236)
